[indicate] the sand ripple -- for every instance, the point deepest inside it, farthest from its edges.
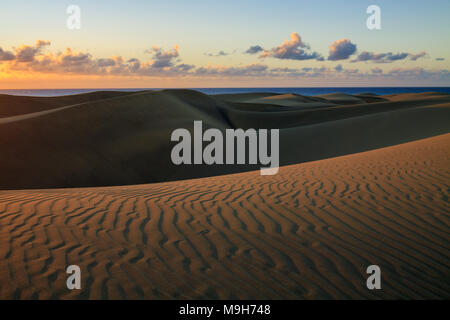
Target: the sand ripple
(308, 232)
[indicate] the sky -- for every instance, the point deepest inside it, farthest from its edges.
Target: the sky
(209, 43)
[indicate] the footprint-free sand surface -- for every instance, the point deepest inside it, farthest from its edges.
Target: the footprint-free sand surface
(309, 232)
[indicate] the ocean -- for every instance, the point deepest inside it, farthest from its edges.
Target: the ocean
(301, 91)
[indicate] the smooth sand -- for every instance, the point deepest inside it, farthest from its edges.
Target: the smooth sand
(308, 232)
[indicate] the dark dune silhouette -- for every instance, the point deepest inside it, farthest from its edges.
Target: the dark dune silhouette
(116, 138)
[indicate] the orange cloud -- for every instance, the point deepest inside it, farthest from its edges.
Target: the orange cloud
(293, 49)
(341, 49)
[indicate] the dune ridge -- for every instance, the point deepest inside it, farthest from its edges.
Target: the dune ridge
(309, 232)
(18, 105)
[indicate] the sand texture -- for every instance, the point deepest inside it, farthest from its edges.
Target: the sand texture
(308, 232)
(87, 180)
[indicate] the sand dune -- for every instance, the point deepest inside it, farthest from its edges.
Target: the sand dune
(293, 100)
(244, 97)
(370, 97)
(381, 196)
(52, 108)
(342, 98)
(308, 232)
(416, 96)
(110, 138)
(17, 105)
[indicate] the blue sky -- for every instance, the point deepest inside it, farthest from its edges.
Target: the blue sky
(200, 27)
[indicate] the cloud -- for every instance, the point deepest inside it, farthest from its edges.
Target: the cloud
(405, 74)
(387, 57)
(293, 49)
(31, 59)
(184, 67)
(163, 63)
(162, 58)
(414, 57)
(26, 53)
(6, 55)
(283, 70)
(167, 63)
(218, 54)
(75, 59)
(261, 70)
(134, 64)
(341, 49)
(305, 72)
(254, 50)
(42, 43)
(248, 70)
(419, 74)
(395, 57)
(380, 57)
(377, 70)
(108, 62)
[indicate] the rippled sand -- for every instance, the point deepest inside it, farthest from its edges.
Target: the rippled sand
(308, 232)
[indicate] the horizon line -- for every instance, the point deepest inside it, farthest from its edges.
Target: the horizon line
(194, 88)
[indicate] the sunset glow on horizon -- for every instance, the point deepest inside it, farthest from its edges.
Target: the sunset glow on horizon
(206, 44)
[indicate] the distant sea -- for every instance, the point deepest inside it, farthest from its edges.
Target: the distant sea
(302, 91)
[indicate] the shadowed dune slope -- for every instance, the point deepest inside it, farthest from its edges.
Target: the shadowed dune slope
(116, 141)
(125, 139)
(309, 232)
